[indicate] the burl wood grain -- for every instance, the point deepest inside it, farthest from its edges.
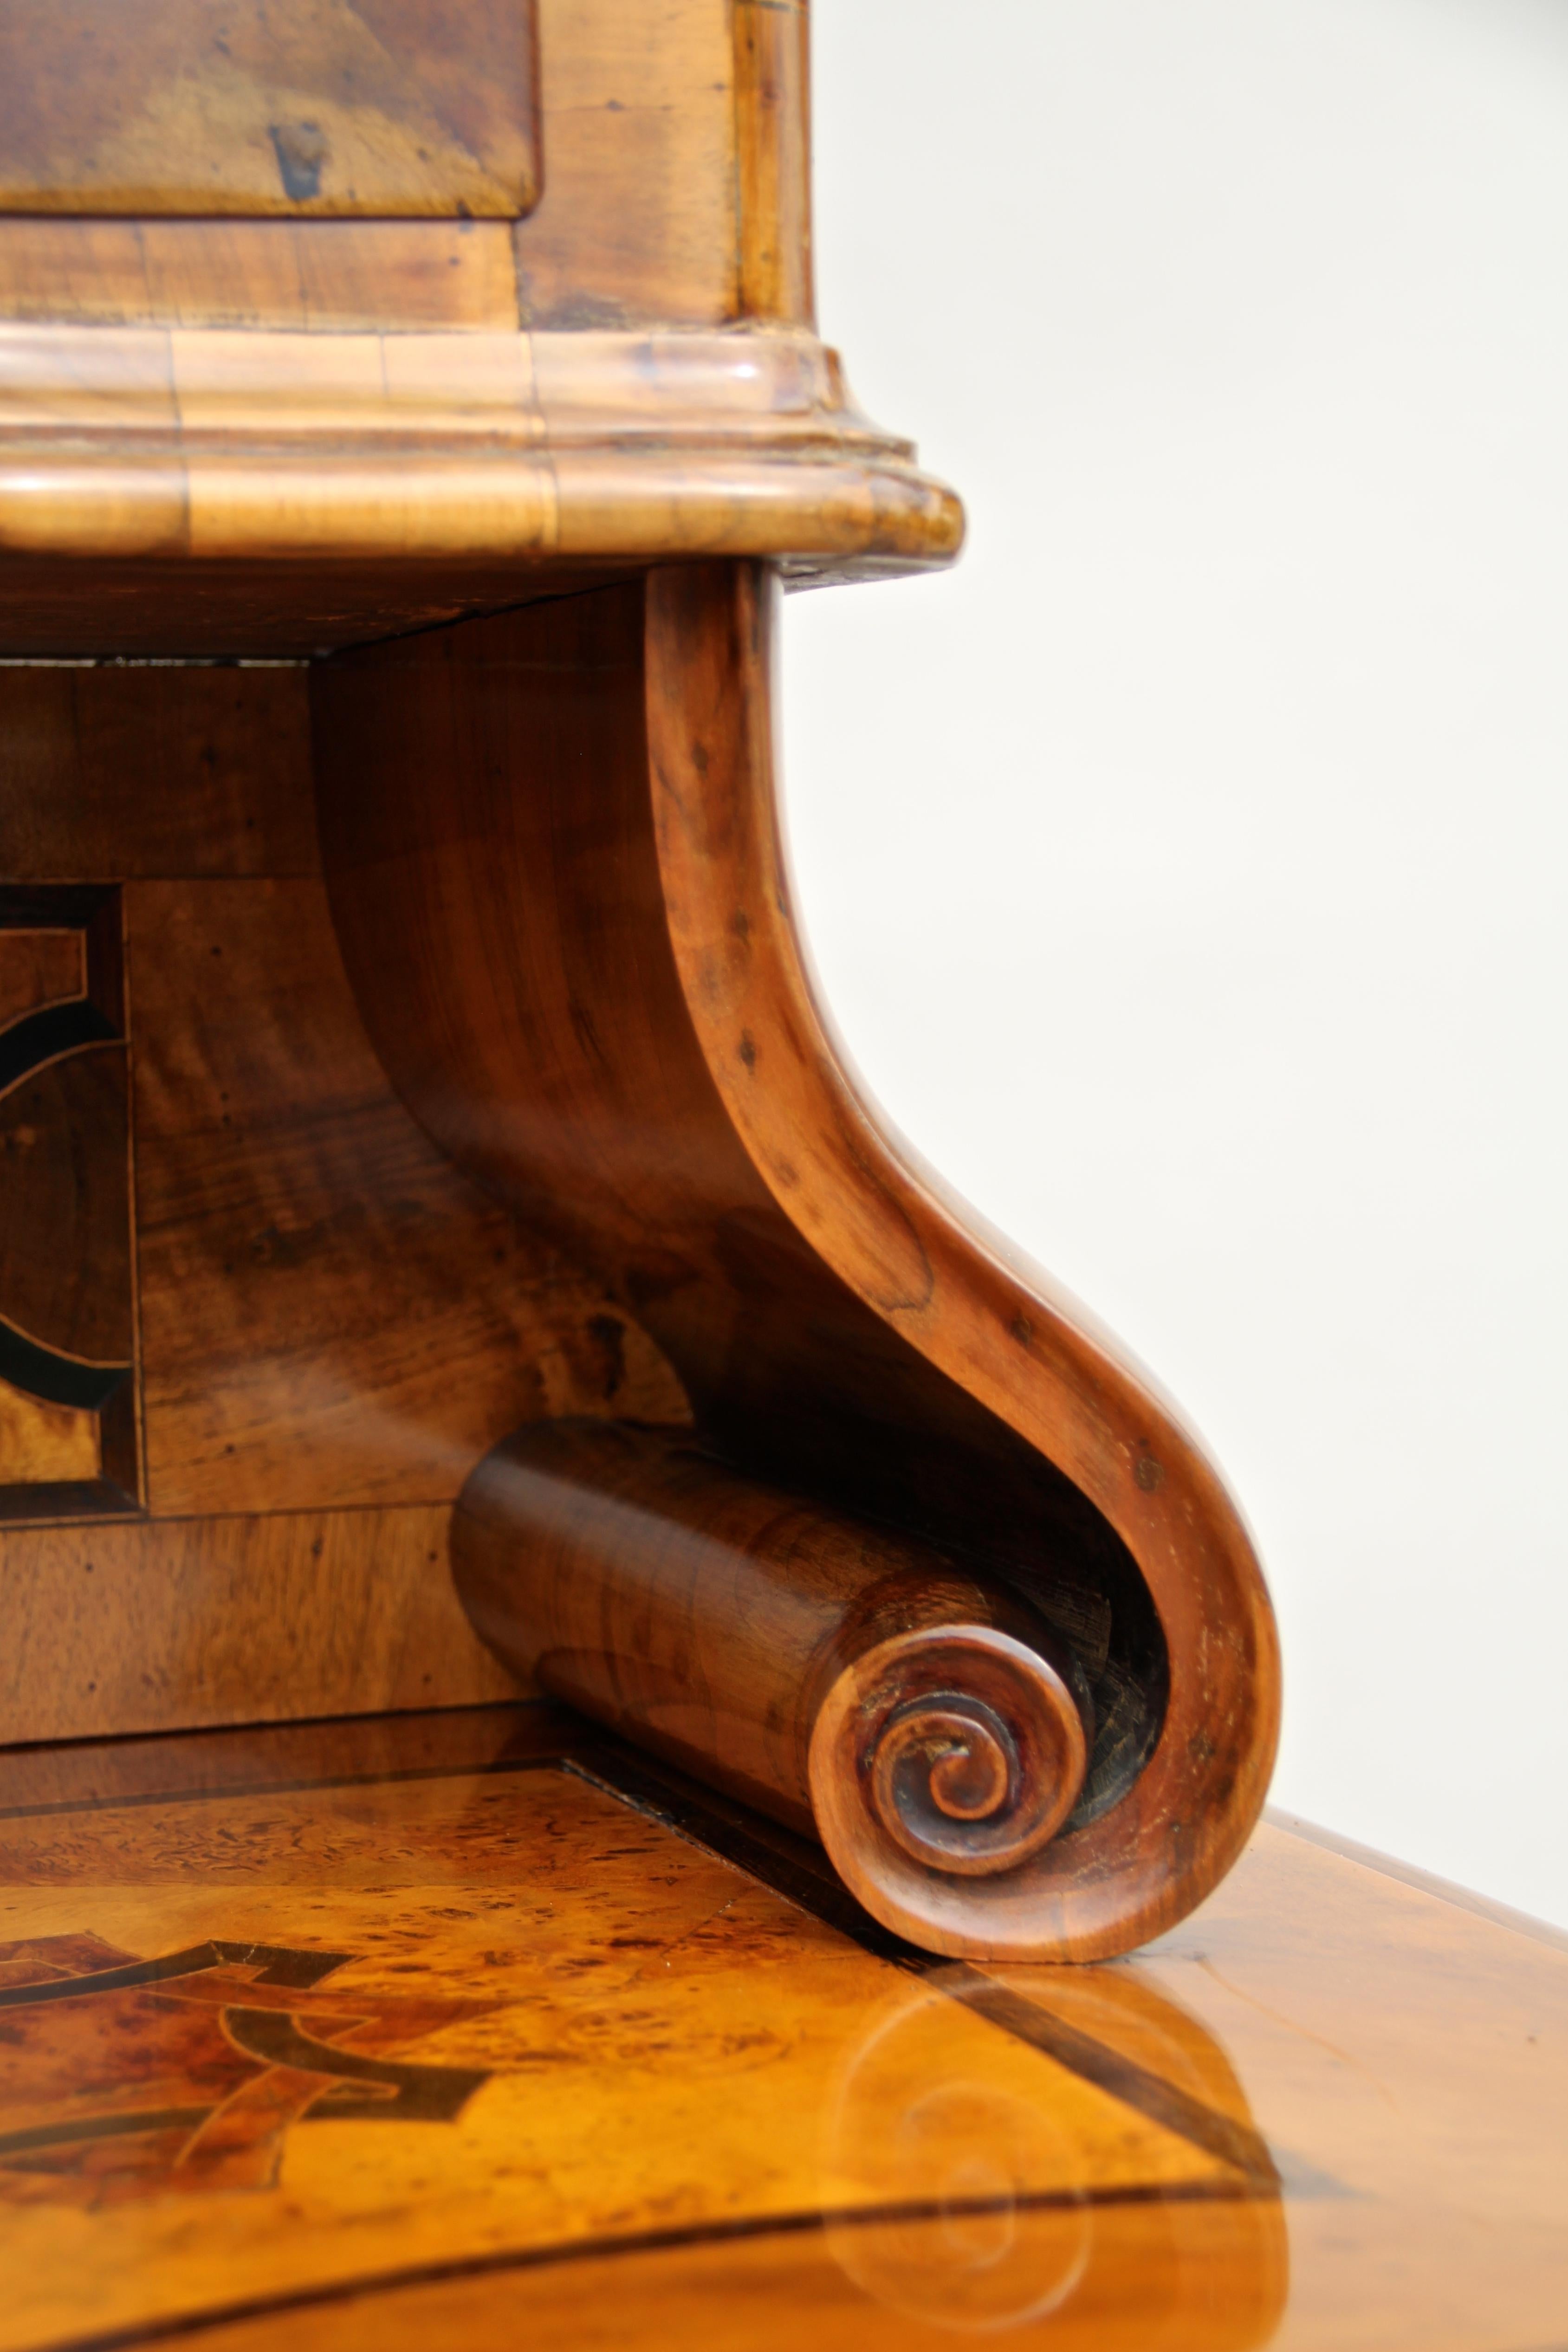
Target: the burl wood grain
(46, 1445)
(598, 1009)
(498, 2056)
(278, 106)
(625, 2039)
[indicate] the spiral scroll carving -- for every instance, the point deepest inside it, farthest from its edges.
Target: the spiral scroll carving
(958, 1749)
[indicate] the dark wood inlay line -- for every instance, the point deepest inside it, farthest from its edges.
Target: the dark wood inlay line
(48, 1034)
(54, 1378)
(279, 1965)
(1136, 2086)
(782, 1861)
(1148, 2094)
(135, 2120)
(641, 2241)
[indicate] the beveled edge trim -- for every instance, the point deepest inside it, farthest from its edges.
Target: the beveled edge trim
(287, 444)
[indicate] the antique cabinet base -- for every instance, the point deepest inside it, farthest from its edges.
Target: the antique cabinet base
(414, 1046)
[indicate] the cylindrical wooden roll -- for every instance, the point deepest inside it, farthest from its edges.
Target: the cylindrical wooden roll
(926, 1725)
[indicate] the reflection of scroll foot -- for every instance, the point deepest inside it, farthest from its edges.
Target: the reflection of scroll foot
(961, 2198)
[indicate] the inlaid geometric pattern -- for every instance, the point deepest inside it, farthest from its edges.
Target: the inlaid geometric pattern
(204, 2058)
(269, 2047)
(473, 2029)
(67, 1440)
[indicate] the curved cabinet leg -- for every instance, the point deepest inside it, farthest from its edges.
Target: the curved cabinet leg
(555, 867)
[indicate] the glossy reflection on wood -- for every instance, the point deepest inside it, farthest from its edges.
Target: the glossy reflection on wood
(521, 2015)
(463, 2028)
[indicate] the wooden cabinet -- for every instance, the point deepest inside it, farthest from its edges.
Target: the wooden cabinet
(414, 1071)
(433, 1205)
(410, 1046)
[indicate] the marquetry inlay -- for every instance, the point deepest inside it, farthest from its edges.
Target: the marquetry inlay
(67, 1308)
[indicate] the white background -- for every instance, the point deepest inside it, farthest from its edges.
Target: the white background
(1186, 870)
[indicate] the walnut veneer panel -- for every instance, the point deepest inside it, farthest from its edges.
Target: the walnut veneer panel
(242, 274)
(131, 1627)
(369, 106)
(63, 1150)
(38, 968)
(330, 1324)
(67, 1416)
(331, 1316)
(649, 121)
(397, 2033)
(107, 773)
(639, 215)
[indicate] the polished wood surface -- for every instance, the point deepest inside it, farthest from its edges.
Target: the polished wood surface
(452, 453)
(296, 276)
(64, 1262)
(325, 1326)
(192, 411)
(271, 106)
(773, 159)
(640, 220)
(849, 1680)
(67, 1416)
(420, 1141)
(596, 1005)
(109, 773)
(508, 1128)
(39, 967)
(466, 2029)
(127, 1626)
